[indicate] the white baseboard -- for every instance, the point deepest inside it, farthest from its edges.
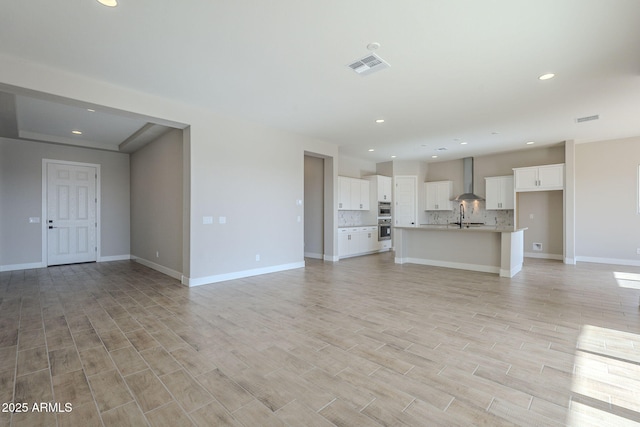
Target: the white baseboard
(114, 258)
(313, 255)
(447, 264)
(28, 266)
(543, 255)
(613, 261)
(197, 281)
(331, 258)
(512, 272)
(161, 268)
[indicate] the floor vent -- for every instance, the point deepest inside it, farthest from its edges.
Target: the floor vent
(587, 119)
(368, 65)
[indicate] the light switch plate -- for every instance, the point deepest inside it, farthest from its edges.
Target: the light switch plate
(34, 220)
(207, 220)
(222, 220)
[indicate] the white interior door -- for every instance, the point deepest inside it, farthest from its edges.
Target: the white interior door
(71, 214)
(406, 201)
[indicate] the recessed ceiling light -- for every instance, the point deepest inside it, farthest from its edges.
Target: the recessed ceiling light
(76, 132)
(91, 110)
(371, 149)
(379, 120)
(109, 3)
(434, 157)
(546, 76)
(530, 142)
(373, 46)
(393, 157)
(464, 143)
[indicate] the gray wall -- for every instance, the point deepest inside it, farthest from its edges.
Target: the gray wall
(313, 207)
(21, 198)
(607, 219)
(156, 201)
(546, 225)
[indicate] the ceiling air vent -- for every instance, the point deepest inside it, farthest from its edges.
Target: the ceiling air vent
(587, 119)
(369, 64)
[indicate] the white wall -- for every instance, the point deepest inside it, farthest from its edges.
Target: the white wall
(248, 173)
(156, 203)
(607, 220)
(355, 168)
(21, 198)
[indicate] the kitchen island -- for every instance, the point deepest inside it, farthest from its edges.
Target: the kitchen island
(489, 249)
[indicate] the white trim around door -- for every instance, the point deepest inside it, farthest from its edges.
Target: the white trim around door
(45, 224)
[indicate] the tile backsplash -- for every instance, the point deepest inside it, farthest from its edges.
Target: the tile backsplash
(474, 212)
(350, 219)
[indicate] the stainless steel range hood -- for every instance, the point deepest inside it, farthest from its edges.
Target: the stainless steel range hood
(467, 181)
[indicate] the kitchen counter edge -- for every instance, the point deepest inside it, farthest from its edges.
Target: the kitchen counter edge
(445, 227)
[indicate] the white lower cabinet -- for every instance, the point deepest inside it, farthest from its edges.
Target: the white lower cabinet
(358, 240)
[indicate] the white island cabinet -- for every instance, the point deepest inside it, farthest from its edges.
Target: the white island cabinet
(489, 249)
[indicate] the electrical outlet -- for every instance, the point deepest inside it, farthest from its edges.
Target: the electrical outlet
(257, 257)
(537, 246)
(157, 254)
(638, 251)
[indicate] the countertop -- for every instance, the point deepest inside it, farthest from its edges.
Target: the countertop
(453, 227)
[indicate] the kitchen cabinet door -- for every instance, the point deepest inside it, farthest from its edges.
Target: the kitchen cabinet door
(384, 188)
(364, 203)
(371, 237)
(353, 194)
(499, 193)
(551, 177)
(438, 196)
(539, 178)
(343, 242)
(344, 193)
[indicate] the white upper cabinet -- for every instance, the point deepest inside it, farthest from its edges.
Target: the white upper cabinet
(380, 189)
(499, 192)
(353, 194)
(539, 178)
(438, 195)
(344, 193)
(384, 188)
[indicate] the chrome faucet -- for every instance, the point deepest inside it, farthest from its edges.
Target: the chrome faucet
(461, 213)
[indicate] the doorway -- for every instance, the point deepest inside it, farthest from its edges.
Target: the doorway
(313, 207)
(71, 220)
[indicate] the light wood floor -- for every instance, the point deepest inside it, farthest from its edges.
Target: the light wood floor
(362, 342)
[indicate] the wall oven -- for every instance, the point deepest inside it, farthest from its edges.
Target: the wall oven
(384, 209)
(384, 229)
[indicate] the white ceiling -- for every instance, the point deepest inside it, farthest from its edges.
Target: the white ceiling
(461, 70)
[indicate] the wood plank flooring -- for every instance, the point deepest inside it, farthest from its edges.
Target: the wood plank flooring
(362, 342)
